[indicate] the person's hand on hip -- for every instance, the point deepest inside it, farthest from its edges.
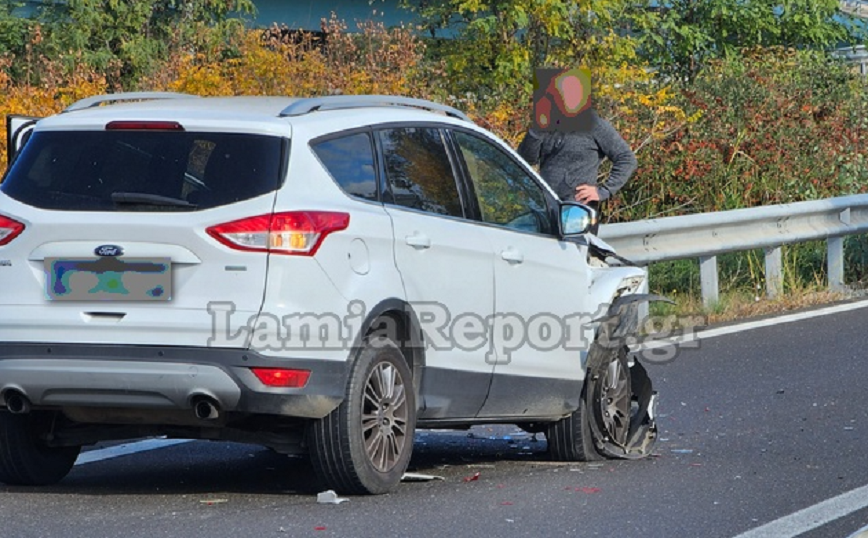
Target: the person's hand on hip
(587, 193)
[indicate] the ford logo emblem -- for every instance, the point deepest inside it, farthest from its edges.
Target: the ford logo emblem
(109, 250)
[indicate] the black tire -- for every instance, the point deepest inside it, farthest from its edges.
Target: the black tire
(25, 458)
(571, 439)
(607, 400)
(364, 446)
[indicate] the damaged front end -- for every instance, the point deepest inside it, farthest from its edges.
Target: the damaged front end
(618, 392)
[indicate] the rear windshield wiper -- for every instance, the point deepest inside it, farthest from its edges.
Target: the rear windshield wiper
(137, 198)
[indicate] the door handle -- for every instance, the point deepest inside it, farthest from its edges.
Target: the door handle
(418, 241)
(512, 256)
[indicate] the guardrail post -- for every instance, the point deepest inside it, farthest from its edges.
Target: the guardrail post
(774, 271)
(708, 279)
(835, 262)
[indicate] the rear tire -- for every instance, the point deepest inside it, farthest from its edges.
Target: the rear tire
(25, 458)
(365, 445)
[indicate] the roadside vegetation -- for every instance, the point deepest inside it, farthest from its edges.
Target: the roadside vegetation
(727, 103)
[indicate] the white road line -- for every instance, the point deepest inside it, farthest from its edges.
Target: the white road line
(812, 517)
(815, 516)
(92, 456)
(689, 340)
(789, 318)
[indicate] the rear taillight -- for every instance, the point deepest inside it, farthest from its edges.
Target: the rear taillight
(282, 377)
(144, 126)
(295, 232)
(9, 229)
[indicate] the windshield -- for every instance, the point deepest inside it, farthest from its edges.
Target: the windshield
(143, 170)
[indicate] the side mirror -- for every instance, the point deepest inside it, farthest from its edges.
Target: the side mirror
(576, 219)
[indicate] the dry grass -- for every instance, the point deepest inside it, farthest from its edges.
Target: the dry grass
(743, 305)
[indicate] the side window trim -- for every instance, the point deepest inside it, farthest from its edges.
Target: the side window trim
(469, 201)
(386, 194)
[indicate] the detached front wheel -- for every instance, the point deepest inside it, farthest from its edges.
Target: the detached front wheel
(615, 414)
(364, 446)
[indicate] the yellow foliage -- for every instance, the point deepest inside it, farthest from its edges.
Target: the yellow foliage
(50, 97)
(372, 60)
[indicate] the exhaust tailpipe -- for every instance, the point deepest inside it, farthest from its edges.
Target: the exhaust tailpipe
(17, 403)
(206, 409)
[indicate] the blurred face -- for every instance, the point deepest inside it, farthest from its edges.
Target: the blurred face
(561, 99)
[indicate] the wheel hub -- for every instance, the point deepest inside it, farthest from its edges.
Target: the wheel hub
(384, 417)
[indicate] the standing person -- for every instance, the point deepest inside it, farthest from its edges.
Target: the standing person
(570, 140)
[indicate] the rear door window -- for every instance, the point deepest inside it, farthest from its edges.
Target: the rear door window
(419, 171)
(143, 170)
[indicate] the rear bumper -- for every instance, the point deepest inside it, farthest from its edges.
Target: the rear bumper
(154, 377)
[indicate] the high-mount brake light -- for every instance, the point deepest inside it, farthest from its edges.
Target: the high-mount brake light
(9, 229)
(294, 232)
(124, 125)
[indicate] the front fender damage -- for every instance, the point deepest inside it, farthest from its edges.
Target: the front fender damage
(616, 329)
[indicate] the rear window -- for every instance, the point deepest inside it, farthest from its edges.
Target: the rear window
(143, 170)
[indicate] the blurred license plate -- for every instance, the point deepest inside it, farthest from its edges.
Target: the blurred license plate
(108, 279)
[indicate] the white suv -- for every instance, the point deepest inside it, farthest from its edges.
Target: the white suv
(317, 275)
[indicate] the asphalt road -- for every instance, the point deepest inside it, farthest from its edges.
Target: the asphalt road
(754, 426)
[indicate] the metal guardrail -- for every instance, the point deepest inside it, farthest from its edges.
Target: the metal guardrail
(707, 235)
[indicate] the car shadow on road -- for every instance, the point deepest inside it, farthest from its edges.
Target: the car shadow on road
(207, 468)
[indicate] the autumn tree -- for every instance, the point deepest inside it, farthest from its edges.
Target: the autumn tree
(126, 39)
(679, 36)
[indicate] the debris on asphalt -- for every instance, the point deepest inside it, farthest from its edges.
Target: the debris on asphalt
(417, 477)
(849, 428)
(589, 491)
(329, 497)
(209, 502)
(682, 451)
(472, 478)
(480, 466)
(320, 528)
(780, 391)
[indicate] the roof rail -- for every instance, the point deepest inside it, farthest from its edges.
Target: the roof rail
(335, 102)
(97, 100)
